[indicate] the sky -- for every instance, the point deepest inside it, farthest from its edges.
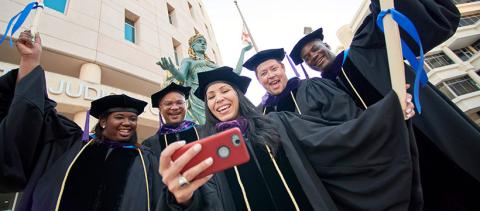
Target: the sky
(274, 24)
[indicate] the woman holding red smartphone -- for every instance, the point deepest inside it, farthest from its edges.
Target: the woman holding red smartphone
(301, 162)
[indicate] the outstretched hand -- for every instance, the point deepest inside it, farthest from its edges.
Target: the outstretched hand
(29, 52)
(166, 64)
(171, 176)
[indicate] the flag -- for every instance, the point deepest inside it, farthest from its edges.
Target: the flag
(245, 35)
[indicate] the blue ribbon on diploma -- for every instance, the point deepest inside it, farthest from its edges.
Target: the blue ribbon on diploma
(20, 18)
(421, 77)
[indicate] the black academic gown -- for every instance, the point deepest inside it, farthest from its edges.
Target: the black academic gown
(366, 163)
(38, 147)
(447, 139)
(158, 142)
(262, 184)
(205, 198)
(317, 97)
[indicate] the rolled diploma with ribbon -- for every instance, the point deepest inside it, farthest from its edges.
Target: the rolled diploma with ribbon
(394, 51)
(36, 19)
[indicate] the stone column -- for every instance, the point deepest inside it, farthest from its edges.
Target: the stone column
(452, 55)
(91, 72)
(474, 76)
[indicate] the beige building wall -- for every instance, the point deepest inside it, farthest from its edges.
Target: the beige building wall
(453, 66)
(86, 51)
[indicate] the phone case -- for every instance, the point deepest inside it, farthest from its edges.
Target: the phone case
(227, 149)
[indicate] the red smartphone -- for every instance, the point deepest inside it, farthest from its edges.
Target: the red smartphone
(227, 149)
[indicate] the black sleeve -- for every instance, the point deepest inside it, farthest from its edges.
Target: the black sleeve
(205, 198)
(29, 124)
(365, 162)
(322, 98)
(435, 20)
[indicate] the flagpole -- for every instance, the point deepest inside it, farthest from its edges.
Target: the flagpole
(246, 26)
(394, 53)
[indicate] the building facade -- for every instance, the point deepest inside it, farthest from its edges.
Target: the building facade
(453, 66)
(92, 48)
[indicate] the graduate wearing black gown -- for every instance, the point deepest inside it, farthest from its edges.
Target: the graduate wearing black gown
(174, 130)
(170, 132)
(362, 164)
(43, 155)
(447, 139)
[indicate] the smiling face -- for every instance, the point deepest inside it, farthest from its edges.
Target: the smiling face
(222, 101)
(172, 108)
(317, 55)
(119, 126)
(199, 45)
(271, 74)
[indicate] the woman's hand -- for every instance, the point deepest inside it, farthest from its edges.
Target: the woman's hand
(182, 186)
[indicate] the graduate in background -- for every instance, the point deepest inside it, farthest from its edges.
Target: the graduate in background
(45, 155)
(447, 139)
(171, 102)
(317, 97)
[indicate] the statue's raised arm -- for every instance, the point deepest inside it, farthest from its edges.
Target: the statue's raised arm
(238, 68)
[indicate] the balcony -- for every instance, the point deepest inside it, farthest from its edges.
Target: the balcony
(464, 1)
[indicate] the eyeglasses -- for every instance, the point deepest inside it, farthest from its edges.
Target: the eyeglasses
(169, 104)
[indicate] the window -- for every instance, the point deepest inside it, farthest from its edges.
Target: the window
(469, 20)
(57, 5)
(464, 1)
(129, 30)
(177, 51)
(438, 60)
(446, 91)
(464, 53)
(171, 14)
(476, 45)
(462, 85)
(459, 86)
(130, 23)
(192, 13)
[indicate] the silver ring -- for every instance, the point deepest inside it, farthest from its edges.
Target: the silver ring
(182, 181)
